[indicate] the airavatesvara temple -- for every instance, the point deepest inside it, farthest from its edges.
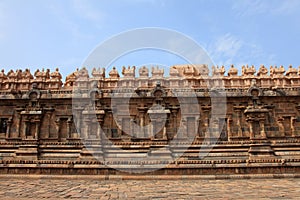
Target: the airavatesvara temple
(191, 120)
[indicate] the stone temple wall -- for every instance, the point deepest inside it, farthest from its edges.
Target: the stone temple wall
(244, 123)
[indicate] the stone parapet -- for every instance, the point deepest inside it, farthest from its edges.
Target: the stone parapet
(196, 76)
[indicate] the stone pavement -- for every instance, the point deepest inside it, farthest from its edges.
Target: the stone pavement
(32, 187)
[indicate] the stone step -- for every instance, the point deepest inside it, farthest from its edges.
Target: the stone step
(217, 154)
(286, 148)
(27, 152)
(60, 150)
(124, 155)
(60, 146)
(283, 153)
(59, 155)
(216, 158)
(209, 150)
(120, 151)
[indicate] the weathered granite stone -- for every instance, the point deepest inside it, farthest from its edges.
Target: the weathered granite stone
(250, 121)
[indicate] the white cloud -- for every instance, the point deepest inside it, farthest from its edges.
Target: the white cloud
(249, 7)
(2, 22)
(160, 3)
(255, 7)
(224, 49)
(228, 49)
(67, 21)
(6, 18)
(87, 11)
(287, 7)
(228, 45)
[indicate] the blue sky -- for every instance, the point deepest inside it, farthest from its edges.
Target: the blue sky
(62, 33)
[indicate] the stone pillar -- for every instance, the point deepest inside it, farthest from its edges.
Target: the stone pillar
(293, 119)
(238, 123)
(25, 122)
(150, 130)
(174, 115)
(131, 127)
(93, 129)
(262, 128)
(69, 124)
(78, 112)
(206, 110)
(199, 128)
(184, 127)
(142, 124)
(48, 116)
(98, 133)
(206, 127)
(214, 128)
(17, 125)
(100, 119)
(229, 133)
(196, 127)
(280, 126)
(250, 121)
(37, 126)
(238, 110)
(57, 123)
(153, 128)
(120, 122)
(142, 109)
(165, 133)
(86, 128)
(9, 122)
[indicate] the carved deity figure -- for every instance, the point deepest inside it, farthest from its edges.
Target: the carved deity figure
(114, 73)
(189, 71)
(129, 72)
(42, 75)
(46, 74)
(11, 74)
(82, 76)
(244, 72)
(2, 76)
(144, 72)
(70, 79)
(83, 73)
(175, 73)
(218, 71)
(56, 76)
(202, 70)
(272, 70)
(98, 73)
(232, 71)
(248, 71)
(281, 69)
(277, 71)
(263, 71)
(19, 74)
(156, 72)
(26, 75)
(291, 71)
(38, 75)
